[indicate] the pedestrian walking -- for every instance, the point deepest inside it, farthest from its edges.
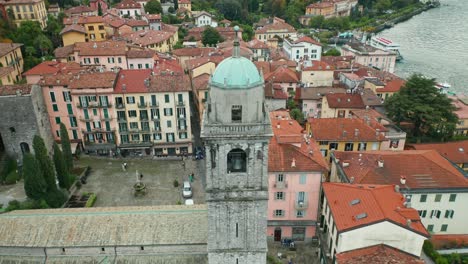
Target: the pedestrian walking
(183, 165)
(192, 177)
(125, 165)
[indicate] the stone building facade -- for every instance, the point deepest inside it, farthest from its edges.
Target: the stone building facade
(236, 130)
(22, 115)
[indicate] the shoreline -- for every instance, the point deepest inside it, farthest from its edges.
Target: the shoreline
(403, 18)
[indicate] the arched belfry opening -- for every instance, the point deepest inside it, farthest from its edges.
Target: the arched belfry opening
(237, 161)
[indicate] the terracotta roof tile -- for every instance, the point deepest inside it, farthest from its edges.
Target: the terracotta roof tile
(64, 52)
(316, 65)
(320, 5)
(50, 67)
(78, 10)
(277, 26)
(134, 53)
(192, 52)
(282, 75)
(6, 48)
(136, 23)
(308, 40)
(456, 152)
(423, 169)
(201, 82)
(378, 254)
(392, 86)
(167, 66)
(101, 48)
(343, 129)
(81, 80)
(132, 81)
(344, 100)
(128, 4)
(197, 62)
(82, 20)
(358, 205)
(316, 93)
(6, 90)
(257, 44)
(147, 37)
(73, 27)
(177, 82)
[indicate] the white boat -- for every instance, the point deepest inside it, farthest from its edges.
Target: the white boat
(386, 44)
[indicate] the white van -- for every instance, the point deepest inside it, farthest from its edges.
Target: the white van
(186, 190)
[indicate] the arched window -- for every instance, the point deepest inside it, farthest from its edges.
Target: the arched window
(24, 147)
(237, 161)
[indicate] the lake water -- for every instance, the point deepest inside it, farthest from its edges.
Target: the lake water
(435, 43)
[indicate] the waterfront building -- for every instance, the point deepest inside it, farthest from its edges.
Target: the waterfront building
(357, 216)
(93, 26)
(296, 169)
(431, 184)
(275, 27)
(344, 134)
(26, 10)
(456, 151)
(11, 63)
(302, 49)
(316, 73)
(22, 116)
(370, 56)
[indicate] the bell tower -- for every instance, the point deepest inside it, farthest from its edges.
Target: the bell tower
(236, 130)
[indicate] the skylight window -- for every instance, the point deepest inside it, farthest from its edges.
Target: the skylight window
(355, 201)
(361, 216)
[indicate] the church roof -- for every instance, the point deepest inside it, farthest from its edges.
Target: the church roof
(236, 73)
(105, 226)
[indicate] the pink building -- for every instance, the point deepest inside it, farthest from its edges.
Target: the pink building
(83, 102)
(296, 169)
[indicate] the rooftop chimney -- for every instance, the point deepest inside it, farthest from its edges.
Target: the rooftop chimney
(293, 163)
(403, 179)
(278, 125)
(356, 132)
(380, 163)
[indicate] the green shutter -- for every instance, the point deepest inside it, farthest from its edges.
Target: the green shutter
(107, 126)
(88, 126)
(86, 115)
(70, 109)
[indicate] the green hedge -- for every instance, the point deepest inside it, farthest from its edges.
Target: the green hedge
(91, 200)
(12, 177)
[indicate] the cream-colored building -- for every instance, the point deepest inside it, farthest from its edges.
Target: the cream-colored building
(27, 10)
(11, 63)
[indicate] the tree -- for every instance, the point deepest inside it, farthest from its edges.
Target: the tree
(153, 7)
(297, 115)
(382, 5)
(99, 9)
(231, 9)
(171, 10)
(211, 36)
(61, 168)
(34, 183)
(332, 52)
(419, 102)
(66, 147)
(316, 21)
(176, 4)
(45, 164)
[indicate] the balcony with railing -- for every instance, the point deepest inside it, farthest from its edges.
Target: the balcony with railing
(181, 116)
(85, 119)
(156, 129)
(94, 105)
(155, 104)
(155, 117)
(107, 118)
(301, 204)
(145, 129)
(182, 128)
(121, 119)
(142, 105)
(180, 103)
(144, 118)
(281, 185)
(120, 105)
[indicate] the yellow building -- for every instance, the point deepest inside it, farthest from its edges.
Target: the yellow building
(160, 41)
(326, 9)
(27, 10)
(72, 34)
(344, 134)
(200, 92)
(185, 4)
(11, 63)
(277, 27)
(93, 25)
(390, 88)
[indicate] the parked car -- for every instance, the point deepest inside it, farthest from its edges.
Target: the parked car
(187, 190)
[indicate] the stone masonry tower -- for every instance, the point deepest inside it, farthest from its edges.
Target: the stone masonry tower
(236, 130)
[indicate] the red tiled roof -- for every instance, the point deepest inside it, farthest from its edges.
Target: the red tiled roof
(308, 40)
(345, 100)
(101, 48)
(423, 169)
(82, 20)
(392, 86)
(6, 90)
(317, 66)
(128, 4)
(339, 62)
(378, 254)
(343, 129)
(320, 5)
(78, 10)
(316, 93)
(358, 205)
(132, 81)
(73, 27)
(456, 151)
(145, 38)
(201, 81)
(282, 75)
(81, 80)
(184, 1)
(141, 53)
(257, 44)
(457, 241)
(170, 82)
(288, 149)
(136, 23)
(153, 16)
(197, 62)
(192, 51)
(5, 48)
(277, 26)
(167, 66)
(50, 67)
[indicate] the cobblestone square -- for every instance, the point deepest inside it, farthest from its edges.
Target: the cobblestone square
(114, 187)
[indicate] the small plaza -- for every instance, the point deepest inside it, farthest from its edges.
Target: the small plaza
(114, 186)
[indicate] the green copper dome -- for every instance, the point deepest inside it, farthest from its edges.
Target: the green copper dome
(236, 72)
